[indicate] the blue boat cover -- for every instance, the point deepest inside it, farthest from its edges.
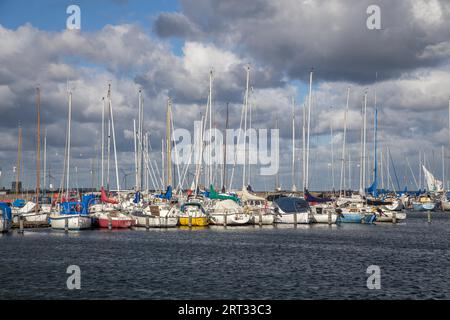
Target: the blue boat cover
(167, 195)
(18, 203)
(137, 197)
(310, 198)
(74, 208)
(6, 211)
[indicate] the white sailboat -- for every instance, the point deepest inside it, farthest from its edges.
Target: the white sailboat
(71, 216)
(229, 213)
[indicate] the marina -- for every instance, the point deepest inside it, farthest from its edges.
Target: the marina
(237, 150)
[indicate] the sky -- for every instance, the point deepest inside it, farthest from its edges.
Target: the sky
(166, 48)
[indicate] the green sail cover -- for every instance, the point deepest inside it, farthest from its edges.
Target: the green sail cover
(214, 195)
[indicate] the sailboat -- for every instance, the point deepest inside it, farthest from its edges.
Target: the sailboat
(73, 215)
(433, 185)
(355, 209)
(113, 218)
(227, 212)
(193, 212)
(258, 207)
(36, 212)
(292, 210)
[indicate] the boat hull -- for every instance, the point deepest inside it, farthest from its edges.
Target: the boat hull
(323, 218)
(38, 218)
(116, 223)
(231, 219)
(195, 221)
(289, 218)
(395, 206)
(156, 221)
(356, 218)
(264, 219)
(423, 206)
(389, 217)
(74, 222)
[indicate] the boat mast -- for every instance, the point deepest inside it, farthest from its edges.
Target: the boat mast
(45, 161)
(342, 182)
(245, 126)
(139, 143)
(136, 174)
(19, 160)
(250, 107)
(332, 156)
(113, 138)
(210, 126)
(277, 177)
(304, 146)
(443, 168)
(168, 142)
(38, 147)
(364, 144)
(308, 129)
(68, 145)
(224, 173)
(294, 188)
(103, 140)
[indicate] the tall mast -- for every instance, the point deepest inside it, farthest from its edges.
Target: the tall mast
(68, 144)
(210, 126)
(308, 129)
(45, 161)
(163, 171)
(139, 143)
(135, 133)
(250, 107)
(375, 158)
(382, 168)
(224, 173)
(103, 140)
(294, 188)
(113, 138)
(38, 147)
(304, 146)
(168, 142)
(332, 157)
(19, 159)
(364, 143)
(277, 177)
(109, 153)
(342, 182)
(245, 125)
(443, 168)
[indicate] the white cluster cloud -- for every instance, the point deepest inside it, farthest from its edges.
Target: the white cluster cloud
(280, 40)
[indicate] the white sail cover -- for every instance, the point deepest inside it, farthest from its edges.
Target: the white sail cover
(433, 184)
(227, 205)
(247, 196)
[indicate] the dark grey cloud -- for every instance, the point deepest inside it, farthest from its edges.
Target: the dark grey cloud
(294, 36)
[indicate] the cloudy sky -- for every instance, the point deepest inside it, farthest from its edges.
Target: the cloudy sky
(166, 48)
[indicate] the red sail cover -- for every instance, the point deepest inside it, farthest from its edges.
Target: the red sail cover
(104, 198)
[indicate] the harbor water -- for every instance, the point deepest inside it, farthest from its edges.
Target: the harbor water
(252, 262)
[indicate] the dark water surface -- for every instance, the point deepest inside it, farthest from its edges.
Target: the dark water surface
(307, 262)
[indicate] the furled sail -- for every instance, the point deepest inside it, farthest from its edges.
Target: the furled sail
(432, 183)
